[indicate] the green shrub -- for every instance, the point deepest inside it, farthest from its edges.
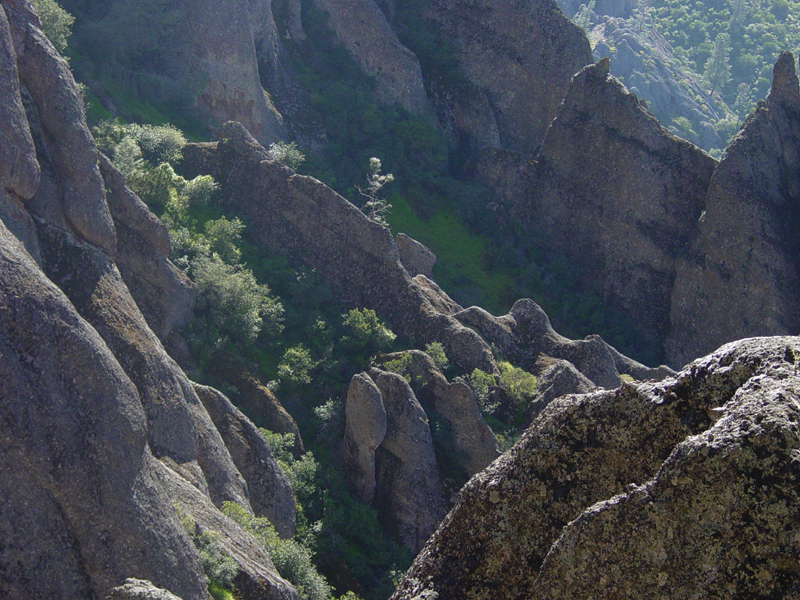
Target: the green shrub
(518, 384)
(399, 365)
(366, 331)
(295, 365)
(159, 143)
(56, 23)
(287, 154)
(436, 351)
(200, 190)
(481, 383)
(291, 559)
(224, 238)
(236, 303)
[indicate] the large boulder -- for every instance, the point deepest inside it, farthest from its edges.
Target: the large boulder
(650, 490)
(741, 276)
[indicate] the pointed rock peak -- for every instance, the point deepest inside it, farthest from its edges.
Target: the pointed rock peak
(785, 88)
(603, 66)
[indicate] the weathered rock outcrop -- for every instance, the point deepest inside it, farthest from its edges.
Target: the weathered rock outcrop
(64, 143)
(303, 219)
(363, 29)
(390, 457)
(742, 274)
(89, 399)
(517, 57)
(638, 492)
(643, 59)
(198, 53)
(138, 589)
(270, 492)
(527, 339)
(467, 436)
(416, 258)
(619, 195)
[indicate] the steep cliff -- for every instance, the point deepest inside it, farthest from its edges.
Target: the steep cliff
(741, 276)
(679, 489)
(99, 422)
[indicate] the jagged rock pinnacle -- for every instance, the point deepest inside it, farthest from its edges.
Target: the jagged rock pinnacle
(604, 65)
(785, 87)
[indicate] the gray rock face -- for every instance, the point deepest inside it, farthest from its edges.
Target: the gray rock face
(138, 589)
(65, 136)
(365, 429)
(390, 458)
(741, 277)
(302, 218)
(87, 393)
(643, 59)
(624, 220)
(257, 576)
(77, 477)
(469, 439)
(638, 492)
(519, 54)
(408, 491)
(557, 379)
(19, 170)
(416, 258)
(363, 29)
(268, 486)
(164, 294)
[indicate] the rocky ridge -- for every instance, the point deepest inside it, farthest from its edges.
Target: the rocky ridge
(681, 488)
(103, 431)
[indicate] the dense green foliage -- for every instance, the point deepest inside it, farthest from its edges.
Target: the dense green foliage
(755, 31)
(56, 22)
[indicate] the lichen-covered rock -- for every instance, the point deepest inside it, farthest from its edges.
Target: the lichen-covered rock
(558, 378)
(416, 258)
(742, 275)
(138, 589)
(303, 219)
(19, 170)
(65, 138)
(651, 490)
(269, 489)
(519, 55)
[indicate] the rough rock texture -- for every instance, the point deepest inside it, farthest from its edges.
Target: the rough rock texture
(408, 491)
(558, 378)
(81, 509)
(164, 294)
(65, 137)
(269, 489)
(613, 8)
(681, 489)
(363, 29)
(741, 277)
(416, 258)
(302, 218)
(255, 398)
(19, 170)
(199, 53)
(519, 55)
(389, 456)
(623, 221)
(526, 337)
(468, 437)
(138, 589)
(365, 429)
(88, 396)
